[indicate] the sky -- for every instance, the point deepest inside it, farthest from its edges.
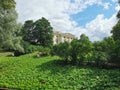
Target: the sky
(95, 18)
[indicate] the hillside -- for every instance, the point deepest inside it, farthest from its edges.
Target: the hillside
(47, 73)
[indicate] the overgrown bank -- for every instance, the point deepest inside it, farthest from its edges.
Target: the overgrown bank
(48, 73)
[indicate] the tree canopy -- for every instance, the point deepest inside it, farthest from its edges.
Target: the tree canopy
(39, 32)
(8, 25)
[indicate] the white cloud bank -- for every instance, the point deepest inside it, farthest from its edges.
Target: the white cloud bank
(58, 13)
(98, 28)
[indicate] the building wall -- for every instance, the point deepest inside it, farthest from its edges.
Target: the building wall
(62, 37)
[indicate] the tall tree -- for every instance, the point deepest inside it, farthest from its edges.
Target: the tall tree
(8, 24)
(116, 35)
(27, 30)
(118, 15)
(39, 32)
(116, 31)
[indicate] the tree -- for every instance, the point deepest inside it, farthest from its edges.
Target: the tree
(39, 32)
(27, 30)
(118, 15)
(103, 51)
(8, 25)
(116, 31)
(107, 45)
(86, 48)
(81, 49)
(62, 50)
(116, 36)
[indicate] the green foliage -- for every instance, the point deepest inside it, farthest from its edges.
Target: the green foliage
(118, 15)
(33, 48)
(106, 49)
(116, 53)
(39, 32)
(100, 58)
(7, 4)
(28, 73)
(26, 30)
(82, 51)
(42, 51)
(116, 31)
(75, 52)
(28, 48)
(116, 35)
(86, 47)
(62, 50)
(8, 26)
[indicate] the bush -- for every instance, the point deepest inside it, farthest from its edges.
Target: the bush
(44, 51)
(29, 48)
(100, 58)
(75, 52)
(81, 50)
(62, 50)
(115, 55)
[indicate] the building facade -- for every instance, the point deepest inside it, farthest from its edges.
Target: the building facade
(62, 37)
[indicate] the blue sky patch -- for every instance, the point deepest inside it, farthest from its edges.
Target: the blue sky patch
(91, 12)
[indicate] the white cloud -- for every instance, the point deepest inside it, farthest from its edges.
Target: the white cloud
(106, 5)
(114, 0)
(117, 8)
(58, 13)
(98, 28)
(56, 9)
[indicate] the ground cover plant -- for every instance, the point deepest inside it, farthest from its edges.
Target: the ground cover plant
(49, 73)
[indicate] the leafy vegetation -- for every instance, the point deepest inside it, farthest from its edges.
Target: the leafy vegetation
(49, 73)
(33, 71)
(39, 32)
(8, 26)
(104, 54)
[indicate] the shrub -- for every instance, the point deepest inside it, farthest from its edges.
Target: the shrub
(62, 50)
(44, 51)
(100, 58)
(81, 49)
(115, 55)
(75, 51)
(29, 48)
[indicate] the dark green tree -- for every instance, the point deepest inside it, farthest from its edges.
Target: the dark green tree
(116, 35)
(116, 31)
(43, 32)
(118, 15)
(103, 51)
(86, 48)
(63, 51)
(39, 32)
(27, 30)
(107, 45)
(80, 50)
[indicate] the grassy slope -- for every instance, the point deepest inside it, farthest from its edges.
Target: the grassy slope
(29, 73)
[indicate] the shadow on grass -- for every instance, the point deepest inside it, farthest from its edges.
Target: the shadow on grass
(94, 78)
(55, 66)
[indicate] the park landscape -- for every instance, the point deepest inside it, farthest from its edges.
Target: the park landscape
(30, 61)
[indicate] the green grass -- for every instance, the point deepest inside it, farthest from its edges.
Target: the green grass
(46, 73)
